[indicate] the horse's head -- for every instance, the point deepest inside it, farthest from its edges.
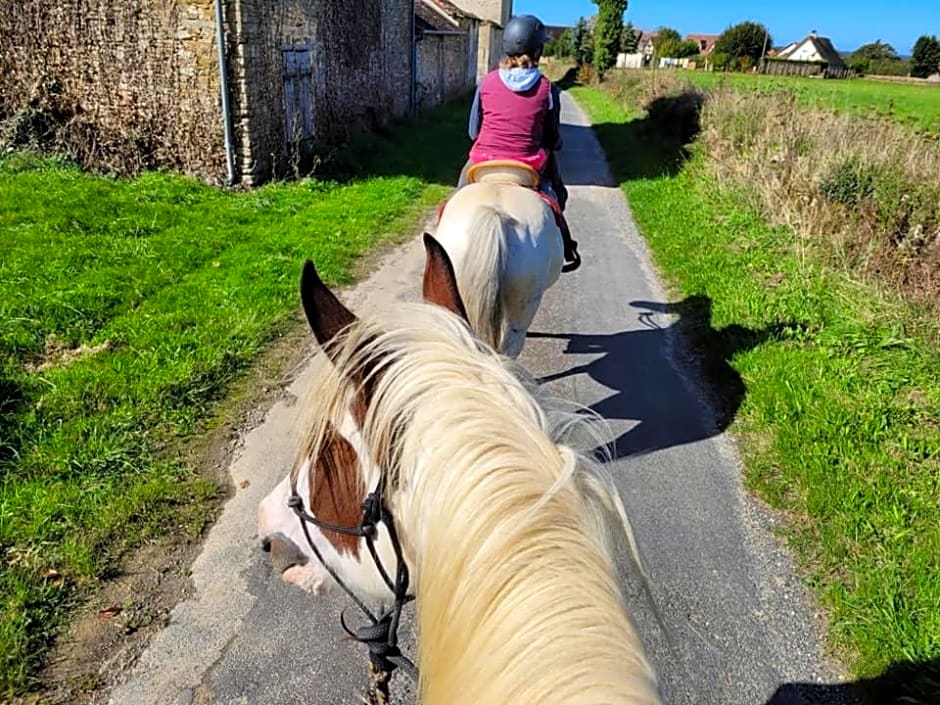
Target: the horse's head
(334, 472)
(500, 522)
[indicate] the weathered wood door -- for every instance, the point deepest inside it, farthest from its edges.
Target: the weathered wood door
(298, 96)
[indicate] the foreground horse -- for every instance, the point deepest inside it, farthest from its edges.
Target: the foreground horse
(506, 249)
(500, 522)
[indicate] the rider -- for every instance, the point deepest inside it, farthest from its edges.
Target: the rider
(516, 115)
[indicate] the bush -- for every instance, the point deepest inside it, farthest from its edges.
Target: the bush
(848, 183)
(587, 75)
(677, 116)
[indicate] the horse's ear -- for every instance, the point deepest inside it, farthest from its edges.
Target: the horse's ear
(440, 282)
(325, 313)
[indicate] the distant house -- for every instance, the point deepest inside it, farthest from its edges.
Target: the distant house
(646, 42)
(555, 32)
(706, 42)
(812, 56)
(814, 49)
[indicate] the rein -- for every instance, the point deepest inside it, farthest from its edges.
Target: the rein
(381, 635)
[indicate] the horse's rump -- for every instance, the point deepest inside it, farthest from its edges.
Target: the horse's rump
(506, 247)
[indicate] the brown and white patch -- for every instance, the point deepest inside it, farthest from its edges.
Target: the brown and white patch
(336, 490)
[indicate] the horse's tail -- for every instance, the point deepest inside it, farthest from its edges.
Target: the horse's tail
(480, 273)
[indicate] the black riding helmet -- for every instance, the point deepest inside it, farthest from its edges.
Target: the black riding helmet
(524, 34)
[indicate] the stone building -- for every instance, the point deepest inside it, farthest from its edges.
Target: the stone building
(447, 52)
(143, 79)
(493, 14)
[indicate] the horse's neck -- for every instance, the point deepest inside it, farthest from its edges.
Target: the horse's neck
(527, 612)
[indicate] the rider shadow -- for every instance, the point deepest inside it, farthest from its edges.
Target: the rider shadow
(648, 388)
(907, 683)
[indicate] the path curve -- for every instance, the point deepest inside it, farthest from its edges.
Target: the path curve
(739, 624)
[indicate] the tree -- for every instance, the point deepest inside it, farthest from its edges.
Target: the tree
(629, 39)
(925, 60)
(876, 51)
(876, 57)
(582, 43)
(677, 49)
(743, 44)
(666, 34)
(607, 33)
(562, 47)
(666, 42)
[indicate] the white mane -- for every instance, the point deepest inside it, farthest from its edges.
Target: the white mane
(503, 521)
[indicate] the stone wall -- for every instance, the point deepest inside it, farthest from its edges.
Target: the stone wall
(130, 84)
(495, 14)
(494, 11)
(360, 58)
(490, 48)
(446, 68)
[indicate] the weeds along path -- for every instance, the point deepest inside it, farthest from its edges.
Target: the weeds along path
(738, 630)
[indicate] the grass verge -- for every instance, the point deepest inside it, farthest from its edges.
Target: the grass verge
(127, 310)
(840, 427)
(913, 105)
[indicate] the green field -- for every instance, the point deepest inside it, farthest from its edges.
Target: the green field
(127, 310)
(840, 427)
(917, 105)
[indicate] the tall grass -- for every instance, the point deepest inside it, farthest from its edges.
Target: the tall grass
(915, 106)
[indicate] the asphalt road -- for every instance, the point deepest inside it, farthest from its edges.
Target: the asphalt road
(735, 627)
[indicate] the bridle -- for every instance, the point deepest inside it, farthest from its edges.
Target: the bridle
(381, 635)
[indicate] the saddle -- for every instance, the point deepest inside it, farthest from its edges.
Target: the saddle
(509, 171)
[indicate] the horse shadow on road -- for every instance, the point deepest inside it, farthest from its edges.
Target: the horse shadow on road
(909, 683)
(649, 386)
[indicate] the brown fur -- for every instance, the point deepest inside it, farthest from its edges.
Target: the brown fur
(337, 490)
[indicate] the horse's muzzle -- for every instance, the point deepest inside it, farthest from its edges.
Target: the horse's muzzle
(284, 552)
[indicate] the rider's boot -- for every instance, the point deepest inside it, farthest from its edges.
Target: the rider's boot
(572, 258)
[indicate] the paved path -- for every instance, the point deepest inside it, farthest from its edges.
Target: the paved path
(738, 624)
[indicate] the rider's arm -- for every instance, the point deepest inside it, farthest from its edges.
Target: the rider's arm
(476, 116)
(552, 130)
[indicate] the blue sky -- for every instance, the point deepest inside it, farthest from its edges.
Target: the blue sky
(848, 24)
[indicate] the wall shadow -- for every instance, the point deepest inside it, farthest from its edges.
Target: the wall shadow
(902, 684)
(432, 147)
(645, 386)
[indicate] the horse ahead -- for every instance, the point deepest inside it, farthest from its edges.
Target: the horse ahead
(506, 249)
(500, 522)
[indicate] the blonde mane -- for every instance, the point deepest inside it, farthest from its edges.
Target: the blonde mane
(518, 599)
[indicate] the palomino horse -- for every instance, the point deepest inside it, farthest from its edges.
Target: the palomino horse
(506, 249)
(501, 523)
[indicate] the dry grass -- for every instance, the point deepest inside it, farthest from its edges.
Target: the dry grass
(865, 192)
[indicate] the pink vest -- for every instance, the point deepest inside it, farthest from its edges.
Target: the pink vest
(512, 122)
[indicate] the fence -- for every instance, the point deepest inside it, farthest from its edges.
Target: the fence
(776, 67)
